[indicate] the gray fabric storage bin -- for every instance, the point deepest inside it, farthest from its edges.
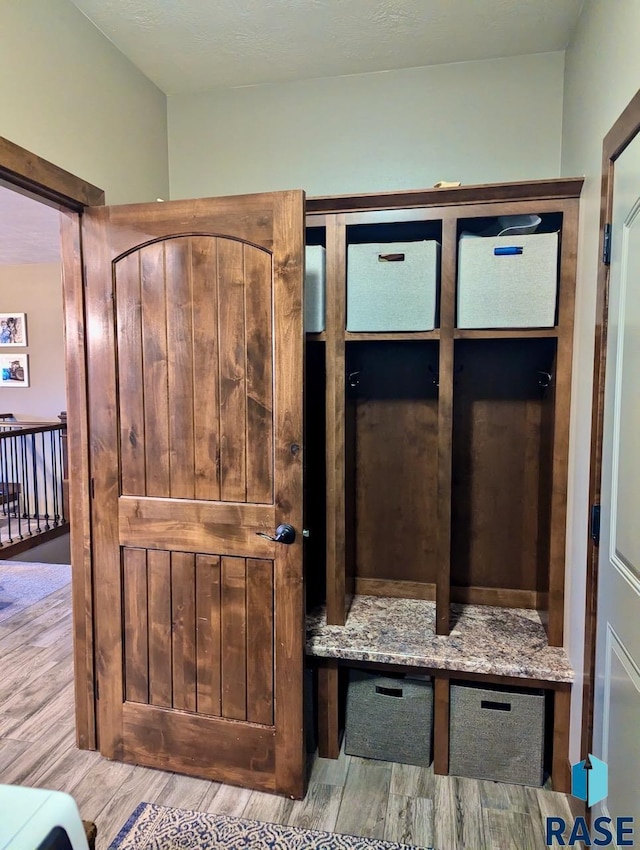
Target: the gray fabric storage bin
(391, 286)
(508, 290)
(497, 734)
(389, 719)
(314, 288)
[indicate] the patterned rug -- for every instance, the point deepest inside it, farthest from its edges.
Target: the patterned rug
(153, 827)
(22, 584)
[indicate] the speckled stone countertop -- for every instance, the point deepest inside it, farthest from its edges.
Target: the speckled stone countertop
(483, 639)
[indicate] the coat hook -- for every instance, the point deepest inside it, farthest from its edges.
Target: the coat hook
(544, 379)
(353, 378)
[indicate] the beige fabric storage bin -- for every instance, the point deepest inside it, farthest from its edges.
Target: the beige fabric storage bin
(314, 288)
(496, 733)
(389, 718)
(391, 286)
(507, 281)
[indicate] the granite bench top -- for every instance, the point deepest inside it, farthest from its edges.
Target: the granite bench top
(484, 639)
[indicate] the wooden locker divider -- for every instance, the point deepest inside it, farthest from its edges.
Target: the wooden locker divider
(562, 409)
(445, 420)
(339, 585)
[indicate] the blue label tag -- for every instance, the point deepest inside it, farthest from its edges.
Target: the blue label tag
(507, 251)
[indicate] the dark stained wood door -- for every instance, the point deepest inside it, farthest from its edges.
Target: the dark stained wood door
(195, 362)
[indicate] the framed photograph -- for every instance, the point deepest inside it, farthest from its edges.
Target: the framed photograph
(14, 370)
(13, 329)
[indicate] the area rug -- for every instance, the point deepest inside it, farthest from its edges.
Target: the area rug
(23, 583)
(153, 827)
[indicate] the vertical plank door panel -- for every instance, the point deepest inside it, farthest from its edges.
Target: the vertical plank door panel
(156, 375)
(260, 641)
(208, 634)
(129, 334)
(206, 375)
(231, 334)
(159, 578)
(136, 639)
(234, 639)
(180, 361)
(183, 628)
(259, 343)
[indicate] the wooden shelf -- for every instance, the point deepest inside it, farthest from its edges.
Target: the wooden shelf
(316, 337)
(391, 336)
(505, 333)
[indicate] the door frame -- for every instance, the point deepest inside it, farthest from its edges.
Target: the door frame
(35, 177)
(621, 134)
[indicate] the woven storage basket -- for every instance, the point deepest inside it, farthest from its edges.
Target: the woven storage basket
(508, 281)
(497, 734)
(389, 719)
(314, 288)
(391, 286)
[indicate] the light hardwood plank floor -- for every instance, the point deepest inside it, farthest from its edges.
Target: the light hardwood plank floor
(378, 799)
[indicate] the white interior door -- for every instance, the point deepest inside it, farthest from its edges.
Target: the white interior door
(617, 694)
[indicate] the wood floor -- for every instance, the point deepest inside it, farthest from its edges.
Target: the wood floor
(377, 799)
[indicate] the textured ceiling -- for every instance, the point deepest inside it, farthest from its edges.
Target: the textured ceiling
(196, 45)
(29, 230)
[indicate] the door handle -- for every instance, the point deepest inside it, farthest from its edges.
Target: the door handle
(284, 534)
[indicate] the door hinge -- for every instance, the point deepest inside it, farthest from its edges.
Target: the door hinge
(606, 245)
(595, 524)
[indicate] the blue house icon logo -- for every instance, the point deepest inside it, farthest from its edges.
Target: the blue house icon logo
(590, 780)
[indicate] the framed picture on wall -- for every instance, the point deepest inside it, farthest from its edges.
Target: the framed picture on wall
(14, 370)
(13, 329)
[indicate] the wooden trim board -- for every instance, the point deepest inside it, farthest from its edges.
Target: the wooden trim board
(45, 180)
(528, 190)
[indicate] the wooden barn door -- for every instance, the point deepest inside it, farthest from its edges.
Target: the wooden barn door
(195, 361)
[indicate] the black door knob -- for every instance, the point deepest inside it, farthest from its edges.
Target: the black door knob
(284, 534)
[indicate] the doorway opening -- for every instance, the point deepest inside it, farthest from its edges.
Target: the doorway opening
(34, 510)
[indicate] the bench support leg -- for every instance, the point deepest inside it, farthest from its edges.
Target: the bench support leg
(328, 710)
(560, 774)
(441, 726)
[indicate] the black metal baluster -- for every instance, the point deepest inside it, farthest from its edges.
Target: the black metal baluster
(17, 484)
(3, 489)
(4, 477)
(61, 455)
(54, 468)
(26, 505)
(44, 481)
(36, 488)
(6, 489)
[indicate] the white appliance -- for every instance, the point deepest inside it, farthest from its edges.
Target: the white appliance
(32, 817)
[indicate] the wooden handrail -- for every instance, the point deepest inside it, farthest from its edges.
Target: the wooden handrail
(25, 428)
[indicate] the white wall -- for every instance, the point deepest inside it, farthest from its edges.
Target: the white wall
(477, 122)
(70, 96)
(602, 75)
(36, 289)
